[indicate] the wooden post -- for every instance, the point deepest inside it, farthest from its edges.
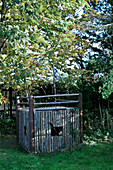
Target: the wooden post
(17, 118)
(81, 118)
(10, 98)
(31, 123)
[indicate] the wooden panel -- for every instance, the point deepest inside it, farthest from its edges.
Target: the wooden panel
(45, 142)
(64, 121)
(24, 129)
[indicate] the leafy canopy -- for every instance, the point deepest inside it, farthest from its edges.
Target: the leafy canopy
(36, 34)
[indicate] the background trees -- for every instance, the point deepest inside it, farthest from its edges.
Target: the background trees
(34, 36)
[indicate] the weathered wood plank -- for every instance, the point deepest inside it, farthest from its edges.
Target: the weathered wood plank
(31, 114)
(57, 95)
(49, 131)
(81, 117)
(17, 117)
(46, 129)
(54, 103)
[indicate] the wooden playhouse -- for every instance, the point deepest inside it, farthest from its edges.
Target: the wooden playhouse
(43, 129)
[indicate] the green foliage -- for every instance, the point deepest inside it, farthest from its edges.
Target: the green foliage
(107, 88)
(35, 35)
(7, 126)
(101, 58)
(97, 112)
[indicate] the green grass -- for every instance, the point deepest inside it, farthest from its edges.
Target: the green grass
(14, 157)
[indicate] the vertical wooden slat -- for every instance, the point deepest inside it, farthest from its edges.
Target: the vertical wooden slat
(62, 128)
(36, 119)
(20, 135)
(35, 133)
(22, 129)
(26, 140)
(53, 136)
(62, 142)
(75, 111)
(40, 137)
(53, 112)
(56, 144)
(72, 126)
(39, 131)
(65, 124)
(31, 115)
(36, 123)
(78, 128)
(49, 133)
(43, 131)
(24, 123)
(67, 134)
(56, 125)
(81, 118)
(52, 141)
(61, 117)
(17, 118)
(46, 130)
(69, 121)
(10, 99)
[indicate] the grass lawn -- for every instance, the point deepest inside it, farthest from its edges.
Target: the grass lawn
(96, 157)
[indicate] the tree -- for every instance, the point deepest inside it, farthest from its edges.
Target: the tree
(97, 111)
(107, 88)
(35, 35)
(100, 58)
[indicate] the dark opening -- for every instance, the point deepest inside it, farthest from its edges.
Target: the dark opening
(25, 130)
(57, 131)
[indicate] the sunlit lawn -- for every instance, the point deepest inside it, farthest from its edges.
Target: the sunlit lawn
(97, 157)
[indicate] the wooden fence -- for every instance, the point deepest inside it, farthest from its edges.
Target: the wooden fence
(52, 128)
